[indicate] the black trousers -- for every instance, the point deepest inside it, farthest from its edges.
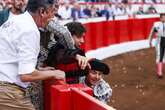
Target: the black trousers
(162, 48)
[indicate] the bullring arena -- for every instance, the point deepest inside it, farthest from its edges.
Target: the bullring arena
(134, 82)
(121, 41)
(133, 72)
(123, 45)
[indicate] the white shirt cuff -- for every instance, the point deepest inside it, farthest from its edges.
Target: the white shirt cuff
(26, 68)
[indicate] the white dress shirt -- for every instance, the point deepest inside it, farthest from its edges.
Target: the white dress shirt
(160, 28)
(19, 48)
(64, 13)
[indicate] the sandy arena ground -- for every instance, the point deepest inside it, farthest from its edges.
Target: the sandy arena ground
(134, 82)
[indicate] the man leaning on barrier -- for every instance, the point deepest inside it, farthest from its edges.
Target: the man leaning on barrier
(19, 48)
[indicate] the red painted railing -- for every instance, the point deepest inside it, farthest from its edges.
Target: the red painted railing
(101, 34)
(83, 101)
(75, 97)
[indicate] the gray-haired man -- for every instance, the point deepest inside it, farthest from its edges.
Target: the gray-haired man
(19, 48)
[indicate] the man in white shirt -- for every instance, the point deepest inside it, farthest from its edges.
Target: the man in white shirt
(65, 11)
(19, 48)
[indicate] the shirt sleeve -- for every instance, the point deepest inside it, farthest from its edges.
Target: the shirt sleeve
(28, 46)
(153, 30)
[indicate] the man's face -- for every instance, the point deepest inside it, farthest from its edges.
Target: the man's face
(79, 40)
(45, 16)
(93, 77)
(56, 7)
(19, 5)
(8, 3)
(162, 18)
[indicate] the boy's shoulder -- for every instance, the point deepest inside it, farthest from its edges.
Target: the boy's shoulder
(102, 88)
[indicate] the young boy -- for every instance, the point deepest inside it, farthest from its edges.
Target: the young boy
(101, 89)
(72, 61)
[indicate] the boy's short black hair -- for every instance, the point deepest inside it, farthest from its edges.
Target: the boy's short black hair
(76, 28)
(99, 66)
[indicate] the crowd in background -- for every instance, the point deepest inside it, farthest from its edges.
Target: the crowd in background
(74, 10)
(118, 1)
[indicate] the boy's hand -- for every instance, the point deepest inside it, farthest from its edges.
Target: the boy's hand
(82, 61)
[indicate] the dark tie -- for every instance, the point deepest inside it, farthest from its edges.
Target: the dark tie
(163, 29)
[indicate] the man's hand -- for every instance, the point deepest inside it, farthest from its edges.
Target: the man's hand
(83, 61)
(43, 75)
(58, 74)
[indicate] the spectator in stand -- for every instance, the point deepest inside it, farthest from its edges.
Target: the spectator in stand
(12, 7)
(7, 3)
(129, 10)
(124, 2)
(4, 14)
(119, 9)
(105, 12)
(116, 1)
(87, 11)
(98, 12)
(157, 1)
(65, 11)
(101, 89)
(140, 11)
(1, 6)
(148, 1)
(76, 12)
(151, 10)
(135, 1)
(94, 12)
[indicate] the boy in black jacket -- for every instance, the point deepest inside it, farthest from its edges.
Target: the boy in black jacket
(72, 61)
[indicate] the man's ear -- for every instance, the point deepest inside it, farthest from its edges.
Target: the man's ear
(41, 12)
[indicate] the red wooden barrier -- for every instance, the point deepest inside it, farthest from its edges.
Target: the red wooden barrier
(83, 101)
(75, 97)
(47, 91)
(61, 96)
(101, 34)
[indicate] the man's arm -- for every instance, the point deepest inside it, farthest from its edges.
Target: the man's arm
(37, 75)
(153, 30)
(59, 54)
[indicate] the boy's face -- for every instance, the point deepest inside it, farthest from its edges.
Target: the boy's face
(94, 76)
(79, 40)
